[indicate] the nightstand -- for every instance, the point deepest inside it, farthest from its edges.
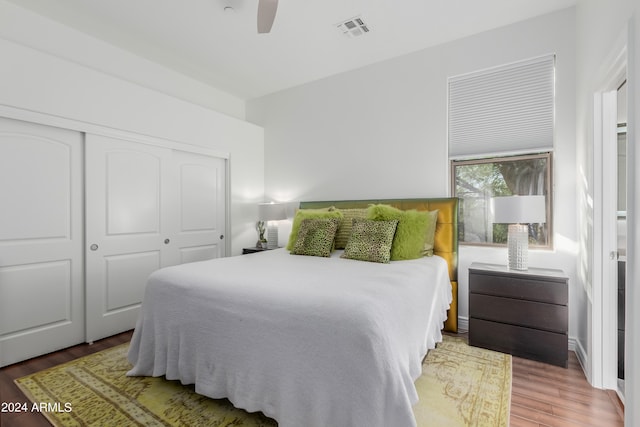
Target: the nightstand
(524, 313)
(253, 250)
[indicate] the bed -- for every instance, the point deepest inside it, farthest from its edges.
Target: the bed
(309, 341)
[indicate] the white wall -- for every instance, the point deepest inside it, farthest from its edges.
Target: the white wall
(40, 79)
(39, 32)
(381, 131)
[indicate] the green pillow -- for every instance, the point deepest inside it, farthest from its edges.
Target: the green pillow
(344, 230)
(410, 237)
(430, 233)
(308, 213)
(315, 237)
(370, 240)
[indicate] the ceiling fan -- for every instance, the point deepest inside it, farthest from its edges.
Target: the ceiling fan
(266, 14)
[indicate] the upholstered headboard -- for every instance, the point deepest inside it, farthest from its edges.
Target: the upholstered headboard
(446, 239)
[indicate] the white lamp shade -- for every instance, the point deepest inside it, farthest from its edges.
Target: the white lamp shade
(271, 212)
(519, 209)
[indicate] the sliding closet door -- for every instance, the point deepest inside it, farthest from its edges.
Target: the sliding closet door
(41, 240)
(198, 218)
(148, 207)
(125, 229)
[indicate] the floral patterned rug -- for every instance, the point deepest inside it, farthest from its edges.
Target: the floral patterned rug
(464, 386)
(460, 386)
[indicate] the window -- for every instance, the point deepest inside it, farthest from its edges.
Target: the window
(476, 182)
(508, 111)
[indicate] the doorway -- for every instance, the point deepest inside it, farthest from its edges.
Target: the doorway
(609, 229)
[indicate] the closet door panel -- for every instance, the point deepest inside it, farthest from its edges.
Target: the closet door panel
(199, 253)
(126, 201)
(46, 285)
(41, 287)
(132, 182)
(36, 172)
(124, 273)
(198, 201)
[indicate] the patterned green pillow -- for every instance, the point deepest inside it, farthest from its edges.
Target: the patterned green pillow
(370, 240)
(302, 214)
(344, 230)
(315, 237)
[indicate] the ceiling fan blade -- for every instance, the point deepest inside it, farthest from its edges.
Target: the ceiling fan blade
(266, 14)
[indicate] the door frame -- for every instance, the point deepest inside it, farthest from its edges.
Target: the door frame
(604, 333)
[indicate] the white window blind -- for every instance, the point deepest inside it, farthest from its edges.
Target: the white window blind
(507, 109)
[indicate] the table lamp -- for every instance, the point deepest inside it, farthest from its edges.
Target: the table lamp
(518, 212)
(270, 212)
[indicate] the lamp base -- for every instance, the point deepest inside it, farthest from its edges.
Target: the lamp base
(272, 237)
(518, 244)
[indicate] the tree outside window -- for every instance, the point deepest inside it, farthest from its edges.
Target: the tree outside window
(475, 182)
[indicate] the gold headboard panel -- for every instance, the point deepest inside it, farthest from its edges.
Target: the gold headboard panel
(446, 240)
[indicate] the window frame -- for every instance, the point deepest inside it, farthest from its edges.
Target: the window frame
(548, 155)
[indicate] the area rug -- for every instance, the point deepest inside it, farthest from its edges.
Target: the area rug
(464, 386)
(460, 386)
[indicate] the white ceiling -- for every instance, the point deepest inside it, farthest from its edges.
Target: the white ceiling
(199, 39)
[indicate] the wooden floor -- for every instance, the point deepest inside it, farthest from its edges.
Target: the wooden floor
(542, 395)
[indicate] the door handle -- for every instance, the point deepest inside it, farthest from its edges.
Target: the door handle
(166, 241)
(93, 247)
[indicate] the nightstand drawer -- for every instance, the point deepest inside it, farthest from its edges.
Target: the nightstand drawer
(513, 286)
(543, 346)
(532, 314)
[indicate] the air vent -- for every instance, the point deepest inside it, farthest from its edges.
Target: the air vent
(353, 27)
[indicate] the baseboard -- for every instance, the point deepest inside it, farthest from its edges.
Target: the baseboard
(581, 354)
(620, 391)
(463, 324)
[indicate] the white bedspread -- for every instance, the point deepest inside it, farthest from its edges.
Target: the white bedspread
(309, 341)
